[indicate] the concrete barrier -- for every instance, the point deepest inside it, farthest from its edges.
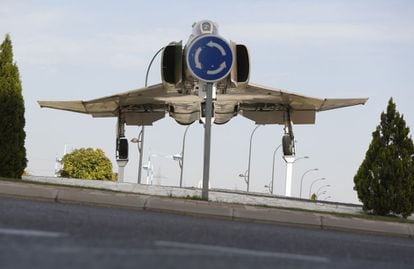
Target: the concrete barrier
(364, 225)
(219, 195)
(231, 211)
(274, 215)
(34, 191)
(190, 207)
(85, 196)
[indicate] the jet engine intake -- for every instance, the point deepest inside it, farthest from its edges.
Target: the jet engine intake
(241, 70)
(172, 64)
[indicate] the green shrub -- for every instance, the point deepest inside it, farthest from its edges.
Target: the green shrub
(87, 164)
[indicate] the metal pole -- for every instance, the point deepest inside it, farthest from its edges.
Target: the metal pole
(244, 176)
(250, 156)
(207, 140)
(149, 66)
(313, 182)
(141, 150)
(182, 157)
(301, 181)
(273, 168)
(322, 193)
(326, 198)
(324, 186)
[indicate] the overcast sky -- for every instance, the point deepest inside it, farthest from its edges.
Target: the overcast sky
(79, 50)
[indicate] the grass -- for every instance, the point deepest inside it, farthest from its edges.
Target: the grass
(363, 215)
(194, 197)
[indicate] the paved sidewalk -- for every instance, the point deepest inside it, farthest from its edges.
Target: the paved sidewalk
(223, 210)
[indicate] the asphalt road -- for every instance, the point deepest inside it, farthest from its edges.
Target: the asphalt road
(36, 234)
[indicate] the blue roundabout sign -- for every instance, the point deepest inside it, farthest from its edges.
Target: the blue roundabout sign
(209, 58)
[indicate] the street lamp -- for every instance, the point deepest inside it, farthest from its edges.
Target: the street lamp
(301, 181)
(326, 198)
(273, 168)
(244, 176)
(181, 163)
(140, 140)
(324, 186)
(250, 157)
(313, 182)
(322, 193)
(149, 167)
(177, 157)
(269, 187)
(301, 158)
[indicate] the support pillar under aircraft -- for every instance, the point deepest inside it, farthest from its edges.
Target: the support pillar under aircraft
(121, 148)
(288, 145)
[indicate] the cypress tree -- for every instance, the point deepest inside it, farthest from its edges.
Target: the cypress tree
(385, 179)
(12, 135)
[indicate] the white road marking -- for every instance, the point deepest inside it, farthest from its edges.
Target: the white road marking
(241, 251)
(19, 232)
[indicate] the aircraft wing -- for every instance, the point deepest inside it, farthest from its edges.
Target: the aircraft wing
(261, 104)
(139, 107)
(266, 105)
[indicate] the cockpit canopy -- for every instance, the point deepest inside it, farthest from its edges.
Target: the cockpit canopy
(204, 27)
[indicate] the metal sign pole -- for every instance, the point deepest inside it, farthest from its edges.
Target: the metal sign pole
(207, 140)
(209, 59)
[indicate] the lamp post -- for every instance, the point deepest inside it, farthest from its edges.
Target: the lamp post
(269, 187)
(179, 158)
(301, 180)
(140, 141)
(182, 156)
(250, 157)
(301, 158)
(326, 198)
(313, 182)
(150, 169)
(324, 186)
(244, 176)
(322, 193)
(273, 168)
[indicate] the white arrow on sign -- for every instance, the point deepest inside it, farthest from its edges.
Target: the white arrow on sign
(218, 70)
(212, 44)
(197, 58)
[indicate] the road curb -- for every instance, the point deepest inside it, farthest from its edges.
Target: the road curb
(105, 198)
(330, 222)
(274, 215)
(189, 207)
(10, 188)
(222, 210)
(216, 195)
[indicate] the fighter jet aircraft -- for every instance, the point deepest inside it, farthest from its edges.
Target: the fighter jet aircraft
(182, 95)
